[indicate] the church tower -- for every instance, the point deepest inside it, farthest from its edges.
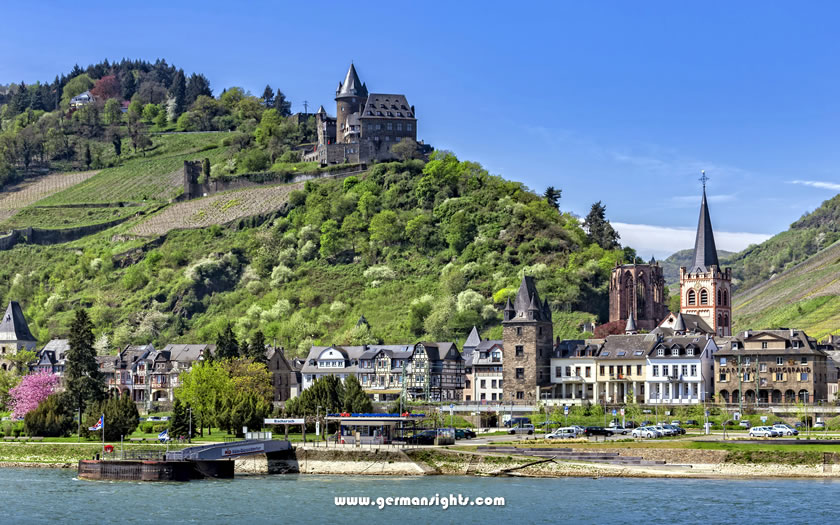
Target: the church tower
(527, 335)
(705, 289)
(350, 98)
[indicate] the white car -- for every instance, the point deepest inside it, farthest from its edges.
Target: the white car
(645, 432)
(785, 430)
(563, 433)
(763, 432)
(664, 430)
(619, 430)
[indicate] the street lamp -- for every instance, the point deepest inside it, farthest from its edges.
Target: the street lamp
(189, 434)
(318, 419)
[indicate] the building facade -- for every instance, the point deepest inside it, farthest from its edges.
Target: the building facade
(770, 367)
(637, 291)
(14, 335)
(574, 372)
(527, 336)
(680, 370)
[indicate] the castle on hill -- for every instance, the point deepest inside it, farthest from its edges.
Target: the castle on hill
(365, 127)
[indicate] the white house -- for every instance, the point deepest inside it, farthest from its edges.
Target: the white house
(680, 370)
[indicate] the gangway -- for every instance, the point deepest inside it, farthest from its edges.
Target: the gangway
(217, 451)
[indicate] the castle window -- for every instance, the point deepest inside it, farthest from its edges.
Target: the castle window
(704, 296)
(520, 395)
(518, 330)
(387, 138)
(408, 126)
(520, 373)
(725, 298)
(691, 299)
(718, 297)
(520, 350)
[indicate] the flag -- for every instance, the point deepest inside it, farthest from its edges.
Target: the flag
(164, 436)
(98, 425)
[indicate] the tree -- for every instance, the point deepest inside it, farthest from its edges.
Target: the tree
(331, 238)
(150, 112)
(180, 425)
(406, 149)
(268, 97)
(385, 228)
(197, 86)
(87, 157)
(121, 418)
(283, 106)
(257, 348)
(598, 228)
(52, 418)
(178, 91)
(22, 359)
(249, 377)
(160, 120)
(8, 380)
(226, 345)
(81, 374)
(201, 386)
(552, 196)
(355, 399)
(127, 85)
(112, 114)
(114, 136)
(326, 392)
(30, 392)
(106, 88)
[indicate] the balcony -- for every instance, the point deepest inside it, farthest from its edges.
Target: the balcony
(619, 377)
(567, 379)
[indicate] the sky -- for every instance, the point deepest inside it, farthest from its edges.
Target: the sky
(619, 102)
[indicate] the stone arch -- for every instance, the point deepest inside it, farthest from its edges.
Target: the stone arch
(763, 397)
(159, 395)
(704, 296)
(726, 322)
(736, 396)
(691, 298)
(804, 396)
(776, 396)
(790, 396)
(724, 394)
(720, 320)
(749, 396)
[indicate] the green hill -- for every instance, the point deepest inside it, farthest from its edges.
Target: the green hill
(420, 249)
(671, 265)
(791, 280)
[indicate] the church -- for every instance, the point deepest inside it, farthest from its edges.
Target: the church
(365, 127)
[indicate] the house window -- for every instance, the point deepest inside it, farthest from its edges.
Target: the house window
(558, 372)
(803, 376)
(780, 376)
(587, 372)
(660, 352)
(568, 371)
(612, 370)
(483, 383)
(689, 351)
(747, 360)
(685, 370)
(804, 361)
(408, 127)
(675, 351)
(764, 344)
(493, 383)
(638, 370)
(762, 367)
(693, 370)
(520, 395)
(747, 376)
(399, 126)
(722, 361)
(520, 351)
(518, 330)
(780, 360)
(483, 396)
(389, 125)
(722, 377)
(520, 373)
(655, 370)
(602, 370)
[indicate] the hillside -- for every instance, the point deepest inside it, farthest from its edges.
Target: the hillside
(420, 249)
(671, 265)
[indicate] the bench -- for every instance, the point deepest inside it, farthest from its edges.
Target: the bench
(8, 438)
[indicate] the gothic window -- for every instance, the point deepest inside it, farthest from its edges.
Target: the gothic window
(641, 294)
(691, 299)
(725, 320)
(725, 298)
(704, 296)
(720, 320)
(718, 297)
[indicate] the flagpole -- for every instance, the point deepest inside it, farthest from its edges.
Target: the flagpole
(103, 435)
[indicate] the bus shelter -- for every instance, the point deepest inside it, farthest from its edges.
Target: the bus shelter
(375, 429)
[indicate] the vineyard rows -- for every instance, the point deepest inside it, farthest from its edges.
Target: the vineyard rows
(218, 209)
(19, 196)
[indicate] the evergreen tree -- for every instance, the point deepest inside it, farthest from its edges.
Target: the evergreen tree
(81, 374)
(553, 196)
(52, 418)
(87, 157)
(197, 85)
(244, 348)
(127, 85)
(179, 425)
(226, 344)
(121, 418)
(598, 228)
(179, 92)
(268, 97)
(355, 399)
(257, 348)
(283, 106)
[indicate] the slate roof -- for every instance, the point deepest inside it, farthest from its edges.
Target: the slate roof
(481, 355)
(627, 346)
(527, 298)
(631, 324)
(352, 86)
(184, 353)
(473, 340)
(691, 323)
(807, 345)
(682, 344)
(387, 105)
(705, 253)
(14, 327)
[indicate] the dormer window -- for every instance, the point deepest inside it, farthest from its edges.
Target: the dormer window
(796, 344)
(675, 351)
(660, 352)
(689, 351)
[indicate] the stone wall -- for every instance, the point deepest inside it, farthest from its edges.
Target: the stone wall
(49, 236)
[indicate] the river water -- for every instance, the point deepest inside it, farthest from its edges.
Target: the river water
(57, 497)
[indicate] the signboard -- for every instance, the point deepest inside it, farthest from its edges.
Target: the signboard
(622, 411)
(317, 428)
(276, 421)
(451, 406)
(736, 416)
(566, 410)
(764, 419)
(707, 413)
(614, 412)
(244, 449)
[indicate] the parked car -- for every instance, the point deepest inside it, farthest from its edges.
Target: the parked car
(646, 423)
(692, 423)
(514, 421)
(799, 424)
(763, 432)
(522, 429)
(819, 424)
(645, 432)
(677, 429)
(664, 430)
(597, 431)
(618, 429)
(563, 433)
(785, 430)
(744, 424)
(676, 423)
(464, 433)
(424, 437)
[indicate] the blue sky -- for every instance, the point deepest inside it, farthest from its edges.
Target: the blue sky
(622, 102)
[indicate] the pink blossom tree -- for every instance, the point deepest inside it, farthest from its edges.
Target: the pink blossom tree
(29, 393)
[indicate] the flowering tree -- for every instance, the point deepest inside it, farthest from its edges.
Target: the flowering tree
(32, 389)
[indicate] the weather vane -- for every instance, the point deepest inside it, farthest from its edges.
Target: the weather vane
(703, 178)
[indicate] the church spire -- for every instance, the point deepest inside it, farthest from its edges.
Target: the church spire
(705, 253)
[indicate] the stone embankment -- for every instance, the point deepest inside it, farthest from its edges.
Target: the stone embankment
(324, 461)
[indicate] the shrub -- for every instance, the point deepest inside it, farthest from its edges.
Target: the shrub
(253, 160)
(52, 418)
(280, 275)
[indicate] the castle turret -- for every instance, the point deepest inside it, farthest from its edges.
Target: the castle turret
(350, 97)
(527, 333)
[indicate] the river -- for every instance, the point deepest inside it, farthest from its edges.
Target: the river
(57, 497)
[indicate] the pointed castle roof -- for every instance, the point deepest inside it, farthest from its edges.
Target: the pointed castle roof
(705, 253)
(631, 325)
(679, 324)
(473, 339)
(13, 327)
(527, 299)
(321, 110)
(352, 86)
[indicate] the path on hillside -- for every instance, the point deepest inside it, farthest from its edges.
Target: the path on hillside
(21, 195)
(217, 209)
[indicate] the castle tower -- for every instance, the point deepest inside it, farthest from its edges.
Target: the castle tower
(637, 291)
(527, 335)
(350, 98)
(705, 289)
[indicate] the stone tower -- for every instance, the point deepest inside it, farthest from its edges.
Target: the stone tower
(350, 98)
(636, 290)
(527, 334)
(705, 289)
